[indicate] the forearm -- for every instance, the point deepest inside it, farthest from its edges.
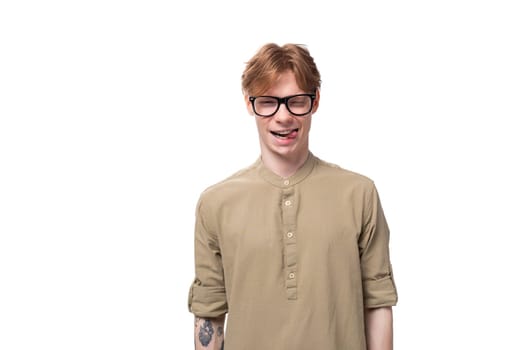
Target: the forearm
(379, 328)
(209, 333)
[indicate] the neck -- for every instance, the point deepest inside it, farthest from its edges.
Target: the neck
(284, 166)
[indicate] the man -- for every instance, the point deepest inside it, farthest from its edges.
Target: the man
(292, 248)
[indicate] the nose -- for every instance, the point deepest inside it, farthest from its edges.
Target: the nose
(283, 116)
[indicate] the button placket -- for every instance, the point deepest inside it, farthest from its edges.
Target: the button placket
(289, 212)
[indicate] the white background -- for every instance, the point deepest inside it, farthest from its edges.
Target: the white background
(115, 115)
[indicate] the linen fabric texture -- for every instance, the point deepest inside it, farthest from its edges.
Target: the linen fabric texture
(293, 262)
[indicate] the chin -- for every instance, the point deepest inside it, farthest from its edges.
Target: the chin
(287, 152)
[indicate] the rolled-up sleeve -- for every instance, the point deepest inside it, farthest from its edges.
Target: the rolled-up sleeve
(207, 296)
(379, 289)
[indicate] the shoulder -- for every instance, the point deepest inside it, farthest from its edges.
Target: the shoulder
(343, 176)
(233, 184)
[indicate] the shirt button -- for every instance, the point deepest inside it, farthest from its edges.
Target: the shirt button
(288, 203)
(291, 275)
(286, 182)
(289, 234)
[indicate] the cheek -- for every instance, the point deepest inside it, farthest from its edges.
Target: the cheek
(261, 125)
(306, 125)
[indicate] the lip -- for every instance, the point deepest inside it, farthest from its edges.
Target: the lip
(284, 132)
(284, 137)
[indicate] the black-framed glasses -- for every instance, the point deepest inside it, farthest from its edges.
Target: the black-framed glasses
(298, 105)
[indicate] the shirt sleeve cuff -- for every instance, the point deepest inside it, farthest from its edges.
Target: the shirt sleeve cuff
(379, 293)
(207, 301)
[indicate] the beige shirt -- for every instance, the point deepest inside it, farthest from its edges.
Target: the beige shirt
(293, 261)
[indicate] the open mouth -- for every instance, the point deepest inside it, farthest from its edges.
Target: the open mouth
(284, 134)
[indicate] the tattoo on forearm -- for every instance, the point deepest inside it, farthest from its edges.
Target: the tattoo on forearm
(206, 333)
(220, 331)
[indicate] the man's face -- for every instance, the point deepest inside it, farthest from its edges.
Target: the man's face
(283, 134)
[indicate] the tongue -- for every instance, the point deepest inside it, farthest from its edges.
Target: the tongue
(292, 135)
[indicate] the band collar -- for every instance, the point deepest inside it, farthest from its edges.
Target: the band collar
(281, 182)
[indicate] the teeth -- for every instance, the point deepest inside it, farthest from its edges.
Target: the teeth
(284, 132)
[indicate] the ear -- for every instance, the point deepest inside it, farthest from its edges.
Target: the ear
(248, 104)
(316, 101)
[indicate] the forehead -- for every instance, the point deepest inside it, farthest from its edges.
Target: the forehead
(285, 84)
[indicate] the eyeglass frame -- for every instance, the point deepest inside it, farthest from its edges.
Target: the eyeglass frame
(280, 101)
